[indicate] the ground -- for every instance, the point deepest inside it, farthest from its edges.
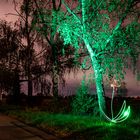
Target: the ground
(11, 129)
(57, 122)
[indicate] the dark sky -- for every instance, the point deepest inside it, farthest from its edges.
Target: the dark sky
(132, 85)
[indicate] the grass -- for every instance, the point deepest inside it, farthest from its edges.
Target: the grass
(68, 126)
(71, 127)
(63, 124)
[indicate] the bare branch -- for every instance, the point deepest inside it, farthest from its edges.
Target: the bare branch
(43, 21)
(15, 8)
(71, 12)
(60, 2)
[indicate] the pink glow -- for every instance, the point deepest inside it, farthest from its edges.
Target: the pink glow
(5, 8)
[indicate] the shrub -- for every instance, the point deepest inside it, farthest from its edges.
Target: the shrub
(83, 103)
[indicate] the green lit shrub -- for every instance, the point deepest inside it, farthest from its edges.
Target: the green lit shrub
(83, 103)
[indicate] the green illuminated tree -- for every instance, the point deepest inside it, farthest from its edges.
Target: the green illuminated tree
(109, 30)
(59, 58)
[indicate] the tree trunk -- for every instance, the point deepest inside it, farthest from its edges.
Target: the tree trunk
(16, 88)
(99, 84)
(29, 48)
(95, 65)
(30, 87)
(29, 74)
(98, 78)
(0, 94)
(55, 79)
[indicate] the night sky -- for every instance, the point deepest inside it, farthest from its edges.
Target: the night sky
(72, 81)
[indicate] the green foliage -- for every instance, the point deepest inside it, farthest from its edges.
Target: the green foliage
(102, 27)
(112, 37)
(83, 103)
(69, 31)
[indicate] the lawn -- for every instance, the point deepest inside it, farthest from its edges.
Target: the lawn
(70, 127)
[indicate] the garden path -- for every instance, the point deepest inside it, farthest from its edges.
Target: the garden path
(11, 129)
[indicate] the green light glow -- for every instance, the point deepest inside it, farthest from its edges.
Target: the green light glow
(107, 46)
(121, 116)
(124, 112)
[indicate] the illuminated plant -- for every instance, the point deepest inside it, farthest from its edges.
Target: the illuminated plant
(83, 103)
(98, 27)
(58, 58)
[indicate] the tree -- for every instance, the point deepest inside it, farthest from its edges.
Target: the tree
(51, 59)
(109, 31)
(28, 34)
(9, 59)
(25, 11)
(59, 58)
(6, 80)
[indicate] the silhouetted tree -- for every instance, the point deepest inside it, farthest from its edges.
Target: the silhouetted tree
(9, 59)
(25, 11)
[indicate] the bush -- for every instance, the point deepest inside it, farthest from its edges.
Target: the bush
(83, 103)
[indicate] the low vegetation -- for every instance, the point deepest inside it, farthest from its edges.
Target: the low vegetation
(82, 127)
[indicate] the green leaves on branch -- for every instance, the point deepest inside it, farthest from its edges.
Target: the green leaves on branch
(70, 32)
(108, 37)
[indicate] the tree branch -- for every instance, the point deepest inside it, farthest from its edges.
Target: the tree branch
(43, 21)
(15, 8)
(70, 11)
(119, 23)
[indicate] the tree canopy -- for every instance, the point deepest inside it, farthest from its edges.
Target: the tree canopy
(110, 32)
